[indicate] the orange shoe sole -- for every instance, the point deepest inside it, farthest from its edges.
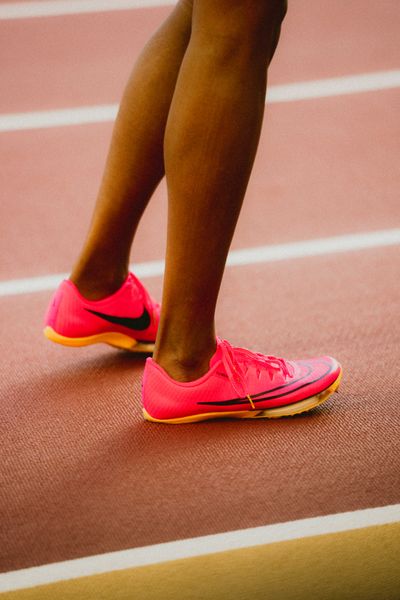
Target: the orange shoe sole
(117, 340)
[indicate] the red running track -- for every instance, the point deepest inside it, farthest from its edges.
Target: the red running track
(82, 473)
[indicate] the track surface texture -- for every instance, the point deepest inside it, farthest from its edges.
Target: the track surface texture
(81, 472)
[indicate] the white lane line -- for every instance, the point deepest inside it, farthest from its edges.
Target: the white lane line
(42, 119)
(315, 247)
(290, 92)
(200, 546)
(245, 256)
(51, 8)
(334, 86)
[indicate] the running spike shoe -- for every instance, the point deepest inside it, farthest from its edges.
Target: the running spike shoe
(127, 319)
(240, 384)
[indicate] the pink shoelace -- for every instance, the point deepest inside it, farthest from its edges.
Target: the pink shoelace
(238, 360)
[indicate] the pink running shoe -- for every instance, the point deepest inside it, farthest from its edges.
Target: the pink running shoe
(127, 319)
(240, 384)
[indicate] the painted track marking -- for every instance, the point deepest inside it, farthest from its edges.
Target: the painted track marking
(199, 546)
(289, 92)
(51, 8)
(244, 256)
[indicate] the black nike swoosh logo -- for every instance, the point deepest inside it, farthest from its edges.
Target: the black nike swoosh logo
(263, 396)
(137, 324)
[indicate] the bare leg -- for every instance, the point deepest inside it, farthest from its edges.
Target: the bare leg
(135, 163)
(211, 139)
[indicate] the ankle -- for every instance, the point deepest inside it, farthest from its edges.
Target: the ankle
(184, 364)
(98, 284)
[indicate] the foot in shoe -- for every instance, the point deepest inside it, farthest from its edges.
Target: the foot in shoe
(239, 384)
(127, 319)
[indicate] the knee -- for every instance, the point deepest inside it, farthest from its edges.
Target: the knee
(186, 5)
(267, 13)
(240, 25)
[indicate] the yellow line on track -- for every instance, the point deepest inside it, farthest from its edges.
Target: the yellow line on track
(361, 564)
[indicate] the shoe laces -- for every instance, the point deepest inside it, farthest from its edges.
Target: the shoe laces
(237, 362)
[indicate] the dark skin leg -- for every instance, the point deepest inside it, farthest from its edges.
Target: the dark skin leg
(211, 139)
(135, 164)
